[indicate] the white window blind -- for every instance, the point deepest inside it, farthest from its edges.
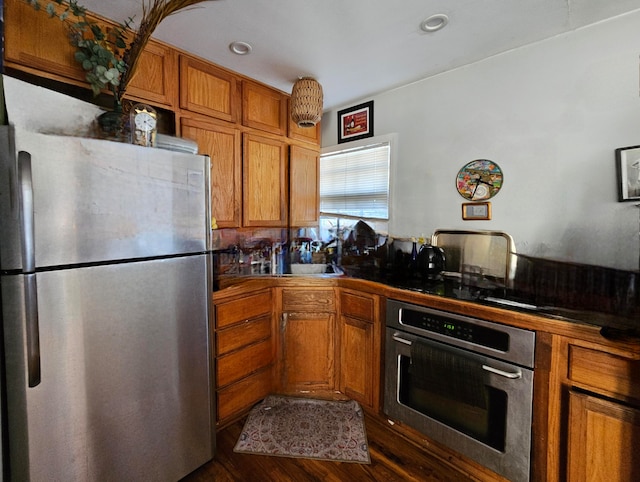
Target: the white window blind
(355, 182)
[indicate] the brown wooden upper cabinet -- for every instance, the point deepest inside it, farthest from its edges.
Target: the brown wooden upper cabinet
(264, 188)
(264, 108)
(40, 43)
(305, 134)
(154, 78)
(304, 197)
(37, 44)
(222, 144)
(208, 90)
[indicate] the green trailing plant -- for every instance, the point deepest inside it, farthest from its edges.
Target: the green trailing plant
(105, 52)
(99, 49)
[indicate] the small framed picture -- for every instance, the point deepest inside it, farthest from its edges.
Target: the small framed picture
(355, 122)
(476, 211)
(628, 170)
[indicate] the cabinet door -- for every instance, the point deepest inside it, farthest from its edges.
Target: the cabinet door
(208, 90)
(604, 437)
(40, 45)
(306, 134)
(264, 186)
(360, 347)
(37, 42)
(223, 145)
(154, 77)
(356, 355)
(264, 108)
(308, 351)
(304, 195)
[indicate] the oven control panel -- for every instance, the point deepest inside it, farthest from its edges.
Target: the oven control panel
(498, 340)
(462, 330)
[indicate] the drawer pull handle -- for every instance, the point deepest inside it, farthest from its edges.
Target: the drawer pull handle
(502, 373)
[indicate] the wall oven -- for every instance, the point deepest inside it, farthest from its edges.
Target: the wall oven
(464, 382)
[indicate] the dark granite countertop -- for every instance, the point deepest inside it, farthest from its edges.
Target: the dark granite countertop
(620, 325)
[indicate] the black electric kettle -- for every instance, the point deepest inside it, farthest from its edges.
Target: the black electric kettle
(431, 261)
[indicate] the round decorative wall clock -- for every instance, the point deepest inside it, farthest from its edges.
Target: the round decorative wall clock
(479, 180)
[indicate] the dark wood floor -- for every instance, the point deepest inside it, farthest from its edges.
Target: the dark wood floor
(393, 458)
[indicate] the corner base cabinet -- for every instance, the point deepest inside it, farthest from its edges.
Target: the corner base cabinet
(307, 339)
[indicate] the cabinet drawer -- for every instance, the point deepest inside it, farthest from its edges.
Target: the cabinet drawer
(362, 307)
(243, 334)
(251, 306)
(308, 300)
(604, 371)
(239, 364)
(241, 396)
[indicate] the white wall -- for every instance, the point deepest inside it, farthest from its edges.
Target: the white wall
(551, 115)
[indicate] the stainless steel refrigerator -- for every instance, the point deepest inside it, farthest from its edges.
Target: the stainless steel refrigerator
(106, 284)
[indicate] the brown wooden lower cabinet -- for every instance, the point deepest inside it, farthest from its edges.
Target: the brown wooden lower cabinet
(308, 345)
(604, 440)
(594, 413)
(241, 363)
(312, 338)
(235, 400)
(359, 345)
(356, 351)
(244, 353)
(307, 339)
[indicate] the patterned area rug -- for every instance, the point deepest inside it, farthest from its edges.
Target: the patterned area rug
(307, 428)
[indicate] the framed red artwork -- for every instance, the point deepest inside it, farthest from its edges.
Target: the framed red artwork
(355, 122)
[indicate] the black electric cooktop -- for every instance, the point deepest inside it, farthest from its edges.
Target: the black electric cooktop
(489, 292)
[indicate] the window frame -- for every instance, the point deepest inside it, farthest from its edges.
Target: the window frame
(391, 140)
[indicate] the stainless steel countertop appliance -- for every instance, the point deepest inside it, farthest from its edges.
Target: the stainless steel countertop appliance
(106, 284)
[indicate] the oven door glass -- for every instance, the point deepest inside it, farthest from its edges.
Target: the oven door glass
(485, 420)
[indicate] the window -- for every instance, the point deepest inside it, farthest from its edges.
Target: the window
(355, 182)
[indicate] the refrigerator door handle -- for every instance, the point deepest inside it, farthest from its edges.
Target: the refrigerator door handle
(32, 330)
(26, 209)
(28, 266)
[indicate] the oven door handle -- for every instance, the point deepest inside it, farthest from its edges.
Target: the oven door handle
(401, 340)
(502, 373)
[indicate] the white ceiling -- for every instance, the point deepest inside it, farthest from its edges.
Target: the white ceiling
(358, 48)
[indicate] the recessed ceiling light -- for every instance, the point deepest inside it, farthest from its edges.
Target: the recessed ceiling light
(434, 22)
(240, 48)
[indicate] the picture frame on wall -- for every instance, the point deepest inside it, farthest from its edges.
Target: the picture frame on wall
(628, 171)
(476, 211)
(355, 122)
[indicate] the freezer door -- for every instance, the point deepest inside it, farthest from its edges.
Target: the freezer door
(125, 386)
(90, 200)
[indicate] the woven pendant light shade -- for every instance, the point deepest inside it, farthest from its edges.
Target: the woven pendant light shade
(306, 102)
